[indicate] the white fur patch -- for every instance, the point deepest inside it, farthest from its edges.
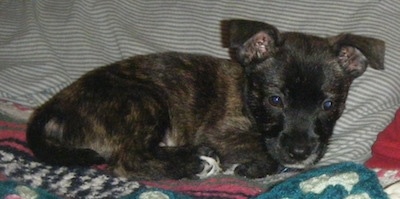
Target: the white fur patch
(231, 170)
(54, 129)
(301, 165)
(211, 167)
(168, 141)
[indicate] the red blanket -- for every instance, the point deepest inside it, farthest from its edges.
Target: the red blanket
(386, 149)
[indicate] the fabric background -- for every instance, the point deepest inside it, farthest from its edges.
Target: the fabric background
(45, 45)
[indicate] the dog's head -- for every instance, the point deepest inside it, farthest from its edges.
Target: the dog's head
(297, 84)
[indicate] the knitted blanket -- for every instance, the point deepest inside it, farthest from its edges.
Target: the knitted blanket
(22, 176)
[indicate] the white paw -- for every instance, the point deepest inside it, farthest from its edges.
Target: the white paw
(211, 167)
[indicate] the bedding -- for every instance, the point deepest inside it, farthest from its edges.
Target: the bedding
(386, 149)
(45, 45)
(22, 176)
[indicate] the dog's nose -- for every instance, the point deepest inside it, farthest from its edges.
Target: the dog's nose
(297, 147)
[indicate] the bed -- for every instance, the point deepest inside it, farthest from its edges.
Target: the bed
(45, 45)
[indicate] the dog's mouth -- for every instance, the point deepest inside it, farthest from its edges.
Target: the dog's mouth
(303, 164)
(284, 157)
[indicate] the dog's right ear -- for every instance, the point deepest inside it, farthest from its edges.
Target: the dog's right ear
(253, 41)
(356, 52)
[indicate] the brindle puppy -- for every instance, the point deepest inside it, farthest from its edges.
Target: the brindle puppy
(162, 115)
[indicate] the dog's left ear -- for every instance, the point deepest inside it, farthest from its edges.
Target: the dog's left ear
(253, 41)
(356, 52)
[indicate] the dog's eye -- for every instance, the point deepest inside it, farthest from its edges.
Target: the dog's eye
(275, 101)
(327, 105)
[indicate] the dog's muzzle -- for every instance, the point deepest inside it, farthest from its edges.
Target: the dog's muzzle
(298, 148)
(296, 151)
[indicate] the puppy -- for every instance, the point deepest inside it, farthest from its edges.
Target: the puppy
(163, 115)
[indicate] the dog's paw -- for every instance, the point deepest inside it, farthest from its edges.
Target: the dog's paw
(210, 163)
(255, 169)
(211, 167)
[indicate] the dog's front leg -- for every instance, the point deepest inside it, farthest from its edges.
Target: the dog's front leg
(257, 167)
(246, 150)
(166, 162)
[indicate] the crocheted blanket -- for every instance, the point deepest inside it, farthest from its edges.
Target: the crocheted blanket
(22, 176)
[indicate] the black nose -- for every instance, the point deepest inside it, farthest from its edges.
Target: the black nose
(298, 148)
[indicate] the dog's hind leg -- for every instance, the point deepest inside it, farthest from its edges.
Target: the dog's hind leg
(45, 134)
(144, 147)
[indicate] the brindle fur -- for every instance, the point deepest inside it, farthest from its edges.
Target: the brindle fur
(152, 116)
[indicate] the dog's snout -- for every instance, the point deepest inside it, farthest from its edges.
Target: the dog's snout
(297, 148)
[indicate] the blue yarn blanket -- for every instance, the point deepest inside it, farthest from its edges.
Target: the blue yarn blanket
(342, 181)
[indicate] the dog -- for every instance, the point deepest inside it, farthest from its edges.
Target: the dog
(172, 115)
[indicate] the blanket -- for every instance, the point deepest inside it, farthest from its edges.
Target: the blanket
(343, 180)
(22, 175)
(386, 149)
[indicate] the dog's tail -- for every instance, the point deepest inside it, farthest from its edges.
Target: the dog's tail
(45, 137)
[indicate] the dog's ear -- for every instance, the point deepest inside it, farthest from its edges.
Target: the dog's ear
(253, 41)
(356, 52)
